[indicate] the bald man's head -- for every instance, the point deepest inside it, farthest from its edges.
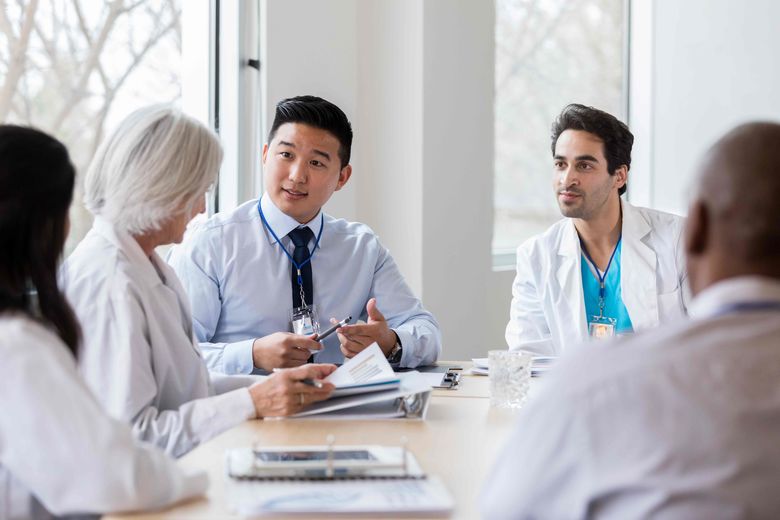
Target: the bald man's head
(734, 221)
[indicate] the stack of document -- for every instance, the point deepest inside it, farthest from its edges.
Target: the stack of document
(539, 365)
(367, 388)
(367, 372)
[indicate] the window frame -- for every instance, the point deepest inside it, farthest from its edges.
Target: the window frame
(223, 92)
(506, 260)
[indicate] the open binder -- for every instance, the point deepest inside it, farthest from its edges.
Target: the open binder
(367, 388)
(410, 400)
(326, 480)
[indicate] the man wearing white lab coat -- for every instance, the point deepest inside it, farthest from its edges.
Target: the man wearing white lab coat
(608, 267)
(681, 421)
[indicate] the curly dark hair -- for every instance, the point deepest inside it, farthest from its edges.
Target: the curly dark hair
(617, 138)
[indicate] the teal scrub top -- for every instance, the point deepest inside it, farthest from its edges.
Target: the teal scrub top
(613, 299)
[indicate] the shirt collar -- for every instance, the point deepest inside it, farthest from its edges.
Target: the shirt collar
(741, 289)
(132, 250)
(282, 223)
(633, 226)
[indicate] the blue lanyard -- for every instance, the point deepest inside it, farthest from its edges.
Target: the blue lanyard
(296, 264)
(602, 279)
(746, 307)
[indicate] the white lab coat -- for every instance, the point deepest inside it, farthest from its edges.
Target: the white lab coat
(60, 453)
(547, 314)
(139, 355)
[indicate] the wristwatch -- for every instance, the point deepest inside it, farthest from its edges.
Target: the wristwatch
(394, 356)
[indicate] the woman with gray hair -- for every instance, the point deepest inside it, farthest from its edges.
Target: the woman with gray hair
(146, 182)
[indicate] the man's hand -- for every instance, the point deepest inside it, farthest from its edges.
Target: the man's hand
(283, 350)
(284, 393)
(355, 338)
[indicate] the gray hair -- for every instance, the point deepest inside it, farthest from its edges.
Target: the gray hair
(153, 166)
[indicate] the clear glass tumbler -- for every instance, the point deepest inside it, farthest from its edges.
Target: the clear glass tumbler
(510, 376)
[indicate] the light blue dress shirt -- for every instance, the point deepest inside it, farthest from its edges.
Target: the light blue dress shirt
(613, 298)
(238, 281)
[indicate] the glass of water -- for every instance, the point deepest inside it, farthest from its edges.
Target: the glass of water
(510, 376)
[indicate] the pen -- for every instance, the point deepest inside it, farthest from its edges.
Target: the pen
(308, 381)
(331, 330)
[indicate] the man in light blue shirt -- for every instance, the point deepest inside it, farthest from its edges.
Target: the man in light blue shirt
(270, 267)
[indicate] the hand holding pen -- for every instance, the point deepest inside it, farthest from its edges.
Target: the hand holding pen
(288, 390)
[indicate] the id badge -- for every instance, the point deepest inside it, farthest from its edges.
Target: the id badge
(304, 320)
(601, 327)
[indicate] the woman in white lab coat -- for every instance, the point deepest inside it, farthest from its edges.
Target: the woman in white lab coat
(60, 453)
(144, 185)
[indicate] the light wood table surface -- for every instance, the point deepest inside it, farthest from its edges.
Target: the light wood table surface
(458, 441)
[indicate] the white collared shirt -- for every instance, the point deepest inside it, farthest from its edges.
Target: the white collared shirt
(139, 355)
(678, 422)
(59, 451)
(238, 279)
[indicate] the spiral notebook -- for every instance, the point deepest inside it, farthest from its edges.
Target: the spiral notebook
(361, 480)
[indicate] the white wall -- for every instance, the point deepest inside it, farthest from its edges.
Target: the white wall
(388, 129)
(310, 47)
(713, 65)
(458, 149)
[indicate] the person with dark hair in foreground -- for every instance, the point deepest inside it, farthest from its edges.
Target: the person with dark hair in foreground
(608, 268)
(680, 422)
(263, 277)
(59, 452)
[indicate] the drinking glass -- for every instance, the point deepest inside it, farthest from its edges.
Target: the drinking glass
(510, 375)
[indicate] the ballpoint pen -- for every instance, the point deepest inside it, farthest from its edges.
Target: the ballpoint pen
(331, 330)
(307, 381)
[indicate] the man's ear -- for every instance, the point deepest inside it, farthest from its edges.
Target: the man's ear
(344, 175)
(697, 227)
(265, 152)
(621, 176)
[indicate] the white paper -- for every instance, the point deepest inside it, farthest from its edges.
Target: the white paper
(480, 362)
(539, 365)
(432, 378)
(368, 366)
(399, 497)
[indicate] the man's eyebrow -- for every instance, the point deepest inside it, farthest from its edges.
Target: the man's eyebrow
(578, 158)
(324, 154)
(285, 143)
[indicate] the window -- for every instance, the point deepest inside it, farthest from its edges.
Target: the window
(549, 53)
(75, 69)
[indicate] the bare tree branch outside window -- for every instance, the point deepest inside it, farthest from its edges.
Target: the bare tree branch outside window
(74, 68)
(549, 53)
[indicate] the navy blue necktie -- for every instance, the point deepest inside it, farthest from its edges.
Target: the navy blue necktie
(300, 238)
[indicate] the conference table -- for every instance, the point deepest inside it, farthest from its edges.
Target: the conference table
(458, 441)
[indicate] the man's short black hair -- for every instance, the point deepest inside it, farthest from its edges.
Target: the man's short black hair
(617, 138)
(319, 113)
